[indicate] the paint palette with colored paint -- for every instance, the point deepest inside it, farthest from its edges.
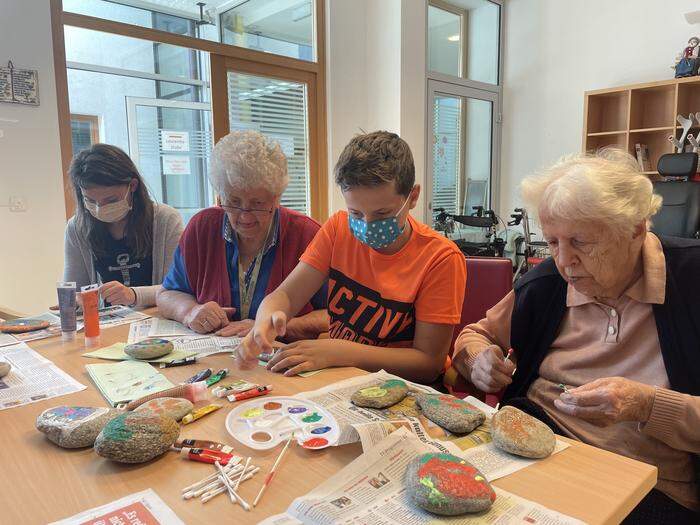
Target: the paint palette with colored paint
(264, 423)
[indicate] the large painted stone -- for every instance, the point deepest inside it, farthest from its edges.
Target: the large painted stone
(450, 413)
(136, 437)
(381, 395)
(149, 349)
(72, 426)
(173, 407)
(519, 433)
(447, 485)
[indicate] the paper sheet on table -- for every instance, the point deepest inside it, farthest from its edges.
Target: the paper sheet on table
(157, 327)
(32, 378)
(370, 426)
(116, 352)
(143, 507)
(370, 490)
(118, 315)
(182, 338)
(126, 381)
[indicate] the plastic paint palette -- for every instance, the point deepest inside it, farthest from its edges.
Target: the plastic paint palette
(263, 424)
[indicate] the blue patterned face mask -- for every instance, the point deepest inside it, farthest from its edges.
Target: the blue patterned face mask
(377, 234)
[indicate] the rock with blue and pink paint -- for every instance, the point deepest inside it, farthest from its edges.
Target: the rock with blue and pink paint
(74, 426)
(381, 395)
(447, 485)
(136, 437)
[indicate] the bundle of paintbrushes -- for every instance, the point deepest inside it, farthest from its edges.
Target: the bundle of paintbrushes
(225, 479)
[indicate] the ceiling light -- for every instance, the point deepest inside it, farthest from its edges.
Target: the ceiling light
(453, 38)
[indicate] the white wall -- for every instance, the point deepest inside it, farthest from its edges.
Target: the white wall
(556, 50)
(30, 166)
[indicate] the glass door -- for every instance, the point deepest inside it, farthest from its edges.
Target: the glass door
(171, 141)
(463, 125)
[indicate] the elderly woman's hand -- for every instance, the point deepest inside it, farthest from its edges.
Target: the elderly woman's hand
(236, 328)
(608, 401)
(208, 317)
(490, 371)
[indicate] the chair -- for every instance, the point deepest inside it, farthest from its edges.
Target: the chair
(679, 215)
(489, 279)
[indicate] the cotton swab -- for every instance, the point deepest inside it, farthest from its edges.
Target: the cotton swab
(213, 493)
(270, 475)
(234, 462)
(212, 484)
(232, 493)
(245, 467)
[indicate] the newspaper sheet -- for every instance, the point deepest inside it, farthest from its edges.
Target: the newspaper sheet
(53, 329)
(183, 338)
(370, 426)
(144, 508)
(371, 491)
(32, 378)
(118, 315)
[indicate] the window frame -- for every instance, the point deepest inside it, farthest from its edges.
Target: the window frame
(455, 86)
(267, 63)
(93, 120)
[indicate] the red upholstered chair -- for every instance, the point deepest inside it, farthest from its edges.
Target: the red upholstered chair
(489, 279)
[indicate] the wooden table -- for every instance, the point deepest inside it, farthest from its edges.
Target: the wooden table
(40, 482)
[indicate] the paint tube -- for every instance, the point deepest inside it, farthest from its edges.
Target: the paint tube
(205, 455)
(199, 413)
(66, 307)
(240, 385)
(259, 391)
(91, 317)
(212, 380)
(194, 392)
(203, 443)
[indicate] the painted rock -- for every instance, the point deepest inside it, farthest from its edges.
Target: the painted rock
(173, 407)
(19, 326)
(4, 368)
(136, 437)
(381, 395)
(74, 427)
(519, 433)
(447, 485)
(450, 413)
(149, 349)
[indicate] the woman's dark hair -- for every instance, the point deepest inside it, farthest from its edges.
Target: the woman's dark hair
(105, 165)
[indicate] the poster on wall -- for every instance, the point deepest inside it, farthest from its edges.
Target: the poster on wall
(174, 140)
(19, 86)
(176, 165)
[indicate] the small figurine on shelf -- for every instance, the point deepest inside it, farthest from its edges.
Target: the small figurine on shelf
(687, 62)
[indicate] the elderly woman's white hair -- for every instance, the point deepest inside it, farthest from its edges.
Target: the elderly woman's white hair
(606, 187)
(244, 160)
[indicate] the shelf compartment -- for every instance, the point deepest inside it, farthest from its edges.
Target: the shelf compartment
(653, 107)
(595, 142)
(607, 112)
(688, 99)
(656, 141)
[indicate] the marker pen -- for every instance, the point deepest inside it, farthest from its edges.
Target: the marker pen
(260, 391)
(200, 376)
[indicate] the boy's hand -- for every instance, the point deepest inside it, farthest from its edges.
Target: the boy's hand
(261, 337)
(304, 356)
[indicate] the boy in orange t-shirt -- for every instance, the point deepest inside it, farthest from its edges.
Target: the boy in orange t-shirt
(395, 286)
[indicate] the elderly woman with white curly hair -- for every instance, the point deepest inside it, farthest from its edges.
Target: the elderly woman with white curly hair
(606, 333)
(231, 256)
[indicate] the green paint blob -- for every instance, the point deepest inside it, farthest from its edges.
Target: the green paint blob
(434, 495)
(311, 418)
(117, 429)
(393, 383)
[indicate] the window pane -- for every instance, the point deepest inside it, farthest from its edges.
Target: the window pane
(475, 41)
(84, 132)
(446, 153)
(284, 27)
(477, 164)
(141, 92)
(277, 109)
(444, 41)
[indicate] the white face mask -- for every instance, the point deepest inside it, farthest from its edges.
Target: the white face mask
(112, 212)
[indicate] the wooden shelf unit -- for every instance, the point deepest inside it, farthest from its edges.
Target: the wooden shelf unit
(639, 113)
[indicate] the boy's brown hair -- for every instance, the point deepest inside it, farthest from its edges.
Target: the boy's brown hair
(376, 158)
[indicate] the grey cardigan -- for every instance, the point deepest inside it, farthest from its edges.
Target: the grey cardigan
(78, 258)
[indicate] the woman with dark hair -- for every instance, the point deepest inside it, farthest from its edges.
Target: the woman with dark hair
(118, 236)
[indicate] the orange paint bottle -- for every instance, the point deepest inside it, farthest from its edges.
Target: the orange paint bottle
(91, 317)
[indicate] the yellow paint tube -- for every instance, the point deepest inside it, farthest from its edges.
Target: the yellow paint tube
(199, 412)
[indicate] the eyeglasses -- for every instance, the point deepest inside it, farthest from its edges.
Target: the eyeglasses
(239, 210)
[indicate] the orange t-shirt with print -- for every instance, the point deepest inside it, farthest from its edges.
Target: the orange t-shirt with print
(376, 299)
